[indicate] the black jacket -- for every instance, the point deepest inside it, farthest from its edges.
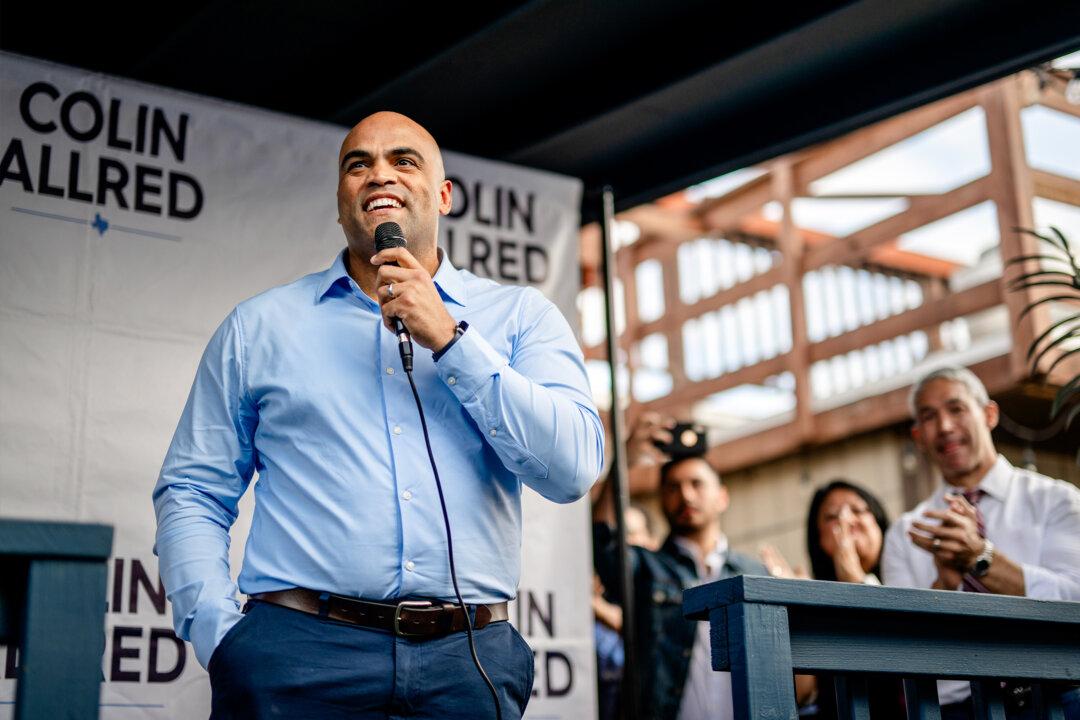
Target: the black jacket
(665, 638)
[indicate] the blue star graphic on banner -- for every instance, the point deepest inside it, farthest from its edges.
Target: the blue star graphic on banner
(100, 224)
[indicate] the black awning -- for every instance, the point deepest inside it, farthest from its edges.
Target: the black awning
(648, 95)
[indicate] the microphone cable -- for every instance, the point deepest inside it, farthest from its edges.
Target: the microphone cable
(388, 235)
(449, 540)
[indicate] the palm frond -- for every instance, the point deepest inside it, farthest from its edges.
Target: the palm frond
(1040, 273)
(1057, 343)
(1027, 258)
(1040, 301)
(1071, 284)
(1067, 397)
(1053, 241)
(1061, 399)
(1061, 357)
(1046, 333)
(1072, 415)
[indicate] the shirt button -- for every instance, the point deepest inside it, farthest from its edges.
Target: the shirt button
(494, 432)
(410, 565)
(407, 495)
(389, 371)
(451, 380)
(397, 429)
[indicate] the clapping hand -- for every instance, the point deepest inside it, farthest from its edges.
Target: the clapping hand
(954, 541)
(846, 559)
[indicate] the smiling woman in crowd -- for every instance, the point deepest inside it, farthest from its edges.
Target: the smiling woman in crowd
(845, 529)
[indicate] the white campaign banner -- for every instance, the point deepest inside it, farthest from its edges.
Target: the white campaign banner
(132, 220)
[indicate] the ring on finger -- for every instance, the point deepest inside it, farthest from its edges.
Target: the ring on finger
(390, 291)
(936, 544)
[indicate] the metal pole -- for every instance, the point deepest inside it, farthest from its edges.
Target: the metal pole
(618, 476)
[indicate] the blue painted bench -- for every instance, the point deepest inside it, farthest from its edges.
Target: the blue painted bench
(763, 629)
(52, 606)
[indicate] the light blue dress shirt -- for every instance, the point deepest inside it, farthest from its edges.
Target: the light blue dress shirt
(304, 385)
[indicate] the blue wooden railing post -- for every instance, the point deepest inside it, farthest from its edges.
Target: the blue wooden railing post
(852, 697)
(921, 697)
(764, 629)
(52, 605)
(759, 653)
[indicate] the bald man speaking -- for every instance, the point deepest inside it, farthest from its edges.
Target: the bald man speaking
(352, 608)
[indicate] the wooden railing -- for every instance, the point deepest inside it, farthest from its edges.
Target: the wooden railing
(52, 606)
(764, 629)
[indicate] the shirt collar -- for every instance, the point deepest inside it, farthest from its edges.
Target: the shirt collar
(994, 483)
(447, 278)
(713, 560)
(332, 275)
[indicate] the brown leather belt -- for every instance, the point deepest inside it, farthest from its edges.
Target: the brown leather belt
(404, 618)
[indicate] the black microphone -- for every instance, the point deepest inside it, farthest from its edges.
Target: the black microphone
(389, 235)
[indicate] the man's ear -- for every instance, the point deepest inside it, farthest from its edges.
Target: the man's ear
(725, 498)
(446, 197)
(992, 413)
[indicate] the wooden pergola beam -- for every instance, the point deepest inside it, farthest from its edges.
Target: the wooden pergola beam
(831, 156)
(1056, 187)
(855, 248)
(694, 391)
(721, 213)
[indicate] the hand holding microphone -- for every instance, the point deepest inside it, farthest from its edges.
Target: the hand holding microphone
(410, 302)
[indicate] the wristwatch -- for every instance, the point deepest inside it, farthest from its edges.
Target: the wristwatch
(981, 566)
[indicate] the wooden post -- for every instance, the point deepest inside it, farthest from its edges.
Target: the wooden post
(759, 650)
(54, 678)
(1048, 702)
(52, 607)
(674, 330)
(987, 700)
(790, 243)
(852, 698)
(922, 699)
(1011, 190)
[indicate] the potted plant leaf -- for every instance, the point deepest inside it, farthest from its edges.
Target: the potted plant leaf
(1059, 272)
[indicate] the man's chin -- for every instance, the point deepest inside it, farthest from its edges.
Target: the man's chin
(956, 468)
(686, 527)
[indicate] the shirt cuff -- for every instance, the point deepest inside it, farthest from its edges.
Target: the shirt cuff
(458, 332)
(210, 626)
(468, 364)
(1043, 584)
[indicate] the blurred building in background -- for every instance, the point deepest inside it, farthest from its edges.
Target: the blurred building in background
(789, 306)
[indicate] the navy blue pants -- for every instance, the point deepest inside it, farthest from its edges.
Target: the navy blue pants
(278, 662)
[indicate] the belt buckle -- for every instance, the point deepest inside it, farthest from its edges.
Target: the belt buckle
(398, 632)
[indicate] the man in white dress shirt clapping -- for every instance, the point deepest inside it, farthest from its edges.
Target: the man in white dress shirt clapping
(990, 527)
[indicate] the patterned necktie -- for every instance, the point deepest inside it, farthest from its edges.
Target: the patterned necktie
(973, 497)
